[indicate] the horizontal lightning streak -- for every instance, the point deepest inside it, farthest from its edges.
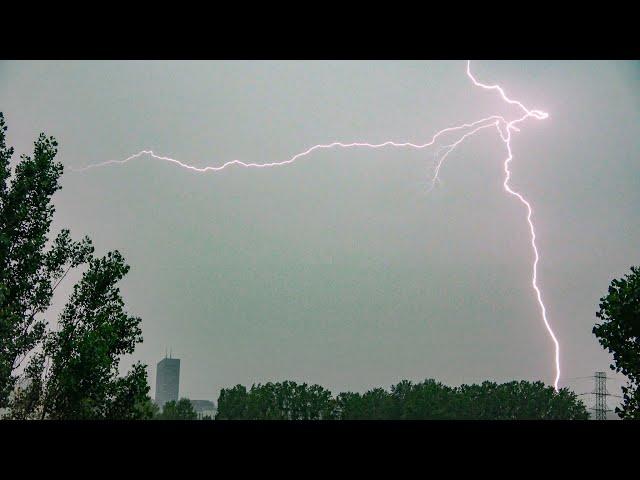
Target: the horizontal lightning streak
(433, 140)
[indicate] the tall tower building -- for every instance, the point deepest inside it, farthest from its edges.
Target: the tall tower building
(167, 380)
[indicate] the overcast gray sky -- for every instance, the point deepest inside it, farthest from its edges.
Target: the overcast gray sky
(341, 269)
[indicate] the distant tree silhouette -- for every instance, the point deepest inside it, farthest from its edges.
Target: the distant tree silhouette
(518, 400)
(276, 401)
(233, 404)
(180, 410)
(428, 400)
(619, 333)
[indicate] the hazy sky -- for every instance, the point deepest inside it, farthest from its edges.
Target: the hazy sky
(341, 269)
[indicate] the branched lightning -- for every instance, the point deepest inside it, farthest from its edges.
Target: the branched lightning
(506, 138)
(465, 130)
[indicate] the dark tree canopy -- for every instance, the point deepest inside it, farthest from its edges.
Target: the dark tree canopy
(276, 401)
(519, 400)
(72, 371)
(180, 410)
(428, 400)
(233, 403)
(619, 333)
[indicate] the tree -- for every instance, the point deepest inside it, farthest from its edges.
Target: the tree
(29, 272)
(619, 333)
(276, 401)
(428, 400)
(350, 406)
(70, 372)
(375, 404)
(180, 410)
(378, 405)
(233, 403)
(75, 375)
(148, 409)
(518, 400)
(319, 404)
(289, 401)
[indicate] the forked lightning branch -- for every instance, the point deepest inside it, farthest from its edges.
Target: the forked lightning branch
(504, 128)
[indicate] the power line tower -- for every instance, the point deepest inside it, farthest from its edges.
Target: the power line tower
(601, 396)
(600, 392)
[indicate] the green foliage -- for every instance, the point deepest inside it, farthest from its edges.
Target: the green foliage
(233, 403)
(83, 355)
(70, 372)
(180, 410)
(29, 272)
(276, 401)
(428, 400)
(147, 409)
(519, 400)
(619, 333)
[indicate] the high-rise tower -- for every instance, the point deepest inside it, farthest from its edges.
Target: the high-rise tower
(167, 380)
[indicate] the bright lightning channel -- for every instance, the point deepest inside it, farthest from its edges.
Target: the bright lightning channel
(504, 129)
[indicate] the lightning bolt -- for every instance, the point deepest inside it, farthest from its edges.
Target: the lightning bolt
(504, 128)
(505, 135)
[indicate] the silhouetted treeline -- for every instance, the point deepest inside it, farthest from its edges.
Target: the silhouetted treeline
(428, 400)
